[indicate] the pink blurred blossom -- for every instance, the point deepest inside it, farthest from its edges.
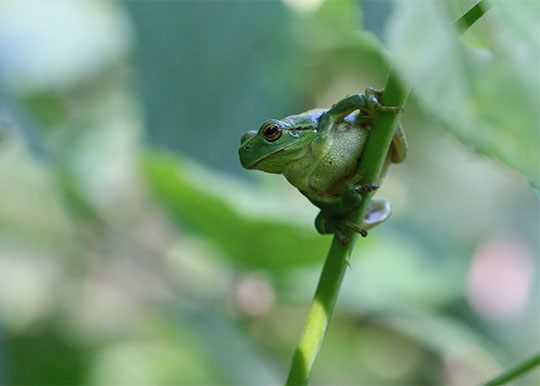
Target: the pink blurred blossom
(500, 277)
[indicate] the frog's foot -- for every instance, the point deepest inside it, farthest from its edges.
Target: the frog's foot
(366, 188)
(389, 109)
(339, 233)
(372, 91)
(354, 227)
(375, 105)
(352, 196)
(339, 230)
(346, 224)
(326, 224)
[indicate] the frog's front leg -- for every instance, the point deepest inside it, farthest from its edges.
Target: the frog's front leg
(368, 102)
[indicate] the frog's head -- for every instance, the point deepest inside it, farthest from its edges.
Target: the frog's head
(277, 144)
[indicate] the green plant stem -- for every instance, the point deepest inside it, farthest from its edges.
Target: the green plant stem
(472, 15)
(320, 313)
(337, 260)
(514, 372)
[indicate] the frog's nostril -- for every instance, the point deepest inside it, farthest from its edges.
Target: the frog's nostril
(247, 136)
(246, 147)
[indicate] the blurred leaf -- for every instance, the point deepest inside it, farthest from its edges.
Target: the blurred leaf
(213, 71)
(450, 338)
(30, 208)
(53, 45)
(339, 17)
(376, 14)
(489, 100)
(256, 242)
(337, 56)
(46, 358)
(14, 118)
(239, 360)
(395, 301)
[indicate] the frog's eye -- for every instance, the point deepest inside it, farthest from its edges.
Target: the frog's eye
(272, 132)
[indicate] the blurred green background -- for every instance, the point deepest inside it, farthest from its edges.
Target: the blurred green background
(135, 250)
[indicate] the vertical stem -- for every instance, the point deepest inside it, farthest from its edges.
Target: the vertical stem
(337, 260)
(472, 15)
(336, 263)
(320, 313)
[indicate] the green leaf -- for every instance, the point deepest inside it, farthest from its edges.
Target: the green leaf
(194, 201)
(450, 338)
(489, 98)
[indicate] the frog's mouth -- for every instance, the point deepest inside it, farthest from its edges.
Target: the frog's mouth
(270, 156)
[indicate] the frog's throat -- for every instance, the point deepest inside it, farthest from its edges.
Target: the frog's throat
(269, 156)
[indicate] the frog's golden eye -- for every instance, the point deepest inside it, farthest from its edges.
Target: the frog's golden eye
(272, 132)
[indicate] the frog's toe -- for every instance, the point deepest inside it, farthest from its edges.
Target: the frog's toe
(339, 233)
(366, 188)
(355, 228)
(372, 91)
(389, 109)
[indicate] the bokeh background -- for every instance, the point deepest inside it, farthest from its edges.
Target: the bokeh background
(135, 250)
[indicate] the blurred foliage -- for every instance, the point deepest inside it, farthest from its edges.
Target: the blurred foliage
(277, 245)
(470, 89)
(135, 250)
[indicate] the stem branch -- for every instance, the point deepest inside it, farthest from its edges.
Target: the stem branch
(514, 372)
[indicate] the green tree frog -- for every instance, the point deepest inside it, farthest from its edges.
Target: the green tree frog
(319, 151)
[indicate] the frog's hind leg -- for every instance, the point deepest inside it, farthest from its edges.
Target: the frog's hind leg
(378, 211)
(397, 151)
(326, 224)
(398, 146)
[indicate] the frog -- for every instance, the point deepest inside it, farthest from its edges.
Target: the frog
(319, 153)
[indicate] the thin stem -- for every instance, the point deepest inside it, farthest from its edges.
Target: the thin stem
(514, 372)
(320, 313)
(336, 263)
(472, 15)
(337, 260)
